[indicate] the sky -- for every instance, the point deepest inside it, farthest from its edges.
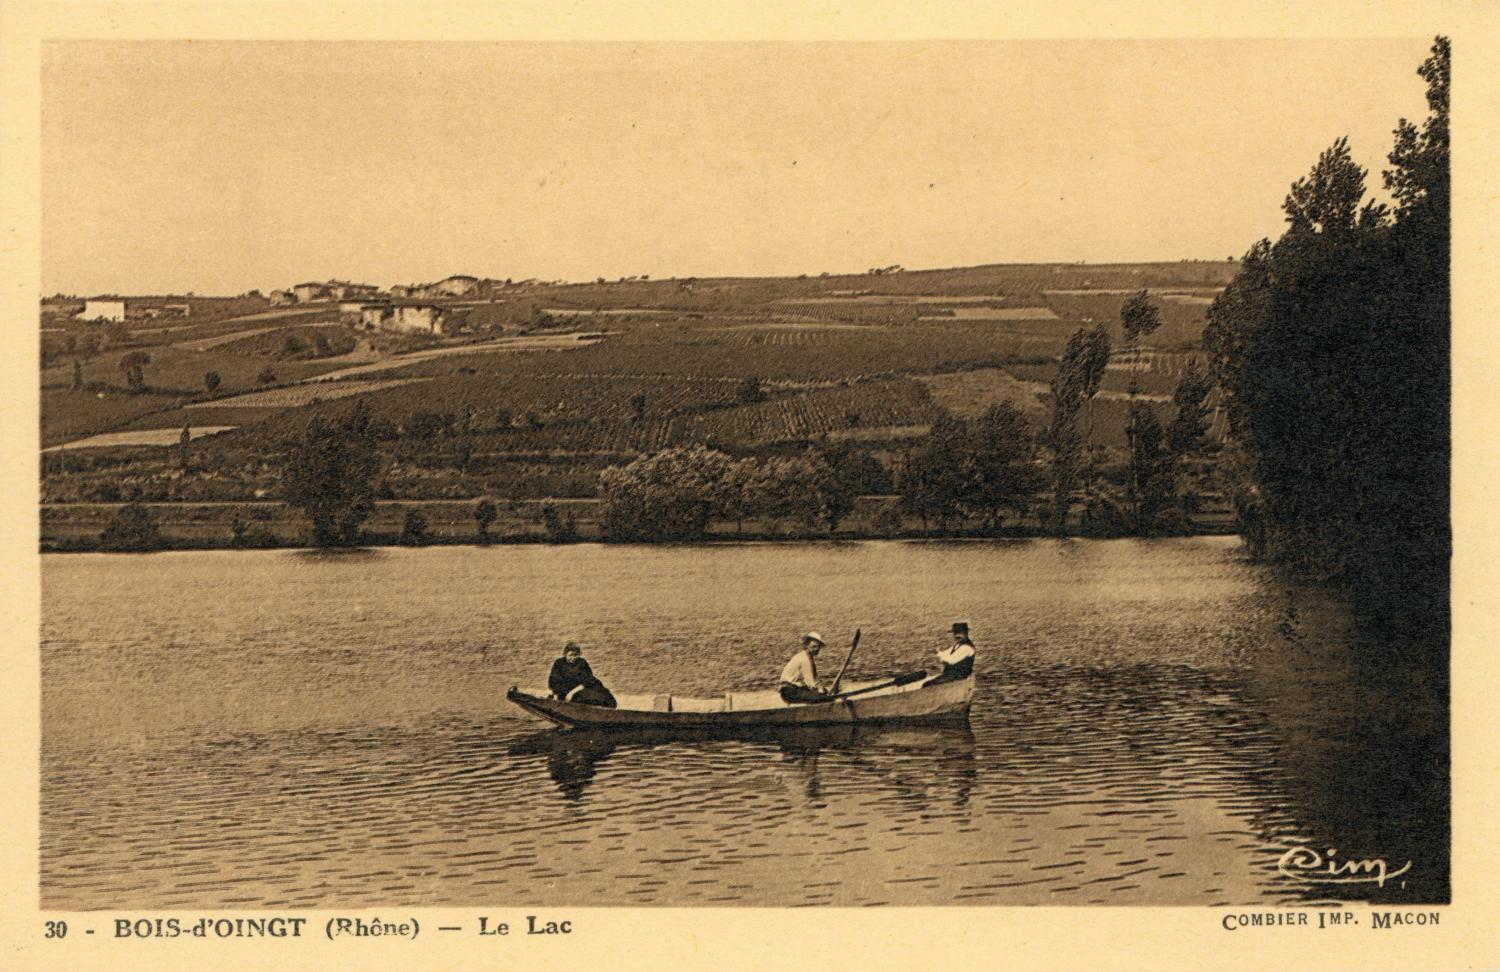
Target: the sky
(216, 167)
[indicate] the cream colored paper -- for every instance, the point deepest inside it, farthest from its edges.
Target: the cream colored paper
(887, 938)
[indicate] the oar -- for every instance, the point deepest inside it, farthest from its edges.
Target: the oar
(840, 676)
(906, 679)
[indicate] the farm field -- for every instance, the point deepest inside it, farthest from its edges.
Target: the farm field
(816, 412)
(534, 412)
(774, 353)
(207, 317)
(144, 437)
(68, 415)
(174, 377)
(179, 370)
(997, 314)
(294, 396)
(1182, 323)
(536, 408)
(969, 393)
(266, 341)
(515, 345)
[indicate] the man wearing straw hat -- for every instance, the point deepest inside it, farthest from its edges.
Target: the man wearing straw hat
(799, 680)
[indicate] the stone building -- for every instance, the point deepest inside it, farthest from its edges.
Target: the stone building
(459, 285)
(344, 290)
(403, 316)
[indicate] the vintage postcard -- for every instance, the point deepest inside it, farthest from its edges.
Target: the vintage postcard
(521, 490)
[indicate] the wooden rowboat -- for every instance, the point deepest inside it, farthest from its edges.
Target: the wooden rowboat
(875, 702)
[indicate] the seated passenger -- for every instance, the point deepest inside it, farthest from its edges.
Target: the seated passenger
(957, 659)
(571, 679)
(799, 680)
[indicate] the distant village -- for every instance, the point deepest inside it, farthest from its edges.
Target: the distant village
(421, 308)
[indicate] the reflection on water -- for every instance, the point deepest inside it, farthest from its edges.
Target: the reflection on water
(573, 758)
(1151, 726)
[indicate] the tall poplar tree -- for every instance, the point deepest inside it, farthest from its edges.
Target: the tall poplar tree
(1332, 348)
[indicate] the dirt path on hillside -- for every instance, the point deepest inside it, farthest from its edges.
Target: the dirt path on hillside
(536, 342)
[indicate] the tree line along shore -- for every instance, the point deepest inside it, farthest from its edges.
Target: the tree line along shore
(81, 528)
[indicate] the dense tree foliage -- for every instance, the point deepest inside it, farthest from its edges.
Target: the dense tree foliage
(330, 475)
(1139, 317)
(485, 512)
(1332, 348)
(670, 495)
(674, 494)
(133, 365)
(132, 528)
(1149, 483)
(1187, 439)
(561, 527)
(414, 528)
(980, 468)
(1187, 433)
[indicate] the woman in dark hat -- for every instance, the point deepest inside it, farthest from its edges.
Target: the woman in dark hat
(573, 680)
(958, 658)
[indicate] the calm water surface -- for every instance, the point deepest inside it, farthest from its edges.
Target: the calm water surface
(1154, 723)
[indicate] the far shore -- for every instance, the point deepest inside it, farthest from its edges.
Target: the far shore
(77, 528)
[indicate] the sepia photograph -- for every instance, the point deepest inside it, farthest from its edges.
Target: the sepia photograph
(744, 474)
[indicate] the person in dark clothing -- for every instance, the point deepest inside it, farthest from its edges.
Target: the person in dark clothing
(958, 659)
(573, 680)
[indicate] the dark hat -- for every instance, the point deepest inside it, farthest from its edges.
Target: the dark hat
(572, 646)
(960, 627)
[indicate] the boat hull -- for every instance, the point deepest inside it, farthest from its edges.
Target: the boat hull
(920, 703)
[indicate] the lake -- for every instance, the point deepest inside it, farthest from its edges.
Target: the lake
(1154, 722)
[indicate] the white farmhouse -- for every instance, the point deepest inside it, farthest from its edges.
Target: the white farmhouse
(103, 309)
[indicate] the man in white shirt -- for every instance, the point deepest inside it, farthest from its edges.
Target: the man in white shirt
(958, 658)
(799, 680)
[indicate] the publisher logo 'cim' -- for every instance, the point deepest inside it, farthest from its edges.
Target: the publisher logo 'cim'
(1306, 864)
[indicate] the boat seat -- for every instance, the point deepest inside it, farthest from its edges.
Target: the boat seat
(682, 704)
(744, 701)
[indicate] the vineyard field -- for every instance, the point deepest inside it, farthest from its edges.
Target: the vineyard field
(997, 314)
(773, 353)
(969, 393)
(270, 342)
(179, 370)
(568, 405)
(898, 402)
(70, 415)
(525, 405)
(294, 396)
(1182, 323)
